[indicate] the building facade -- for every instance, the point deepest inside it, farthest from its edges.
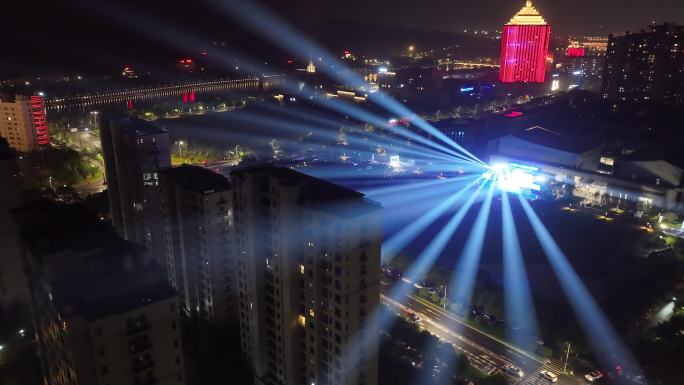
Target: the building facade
(23, 122)
(134, 151)
(103, 315)
(308, 267)
(197, 207)
(646, 67)
(524, 47)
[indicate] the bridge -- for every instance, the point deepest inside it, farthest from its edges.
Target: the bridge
(181, 89)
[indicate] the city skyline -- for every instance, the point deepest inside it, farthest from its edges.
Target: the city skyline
(61, 29)
(283, 193)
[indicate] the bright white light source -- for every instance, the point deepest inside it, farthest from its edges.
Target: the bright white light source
(394, 161)
(514, 177)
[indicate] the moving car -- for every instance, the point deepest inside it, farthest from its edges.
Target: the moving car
(513, 370)
(593, 376)
(412, 317)
(548, 376)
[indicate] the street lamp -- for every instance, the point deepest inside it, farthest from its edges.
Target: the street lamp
(180, 150)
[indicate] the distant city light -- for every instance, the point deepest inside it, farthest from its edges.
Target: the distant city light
(467, 89)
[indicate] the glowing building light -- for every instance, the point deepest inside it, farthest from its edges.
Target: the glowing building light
(555, 85)
(513, 114)
(40, 120)
(574, 51)
(467, 89)
(524, 47)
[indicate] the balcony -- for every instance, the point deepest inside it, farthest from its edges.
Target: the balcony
(138, 365)
(139, 345)
(136, 327)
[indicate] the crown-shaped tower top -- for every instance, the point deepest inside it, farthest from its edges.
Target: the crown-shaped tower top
(528, 15)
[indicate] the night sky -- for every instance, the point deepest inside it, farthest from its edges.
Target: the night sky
(566, 16)
(43, 35)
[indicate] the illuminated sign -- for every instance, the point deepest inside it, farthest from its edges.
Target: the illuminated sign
(467, 89)
(555, 85)
(575, 52)
(513, 114)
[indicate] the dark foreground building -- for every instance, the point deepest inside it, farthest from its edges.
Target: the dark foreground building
(102, 314)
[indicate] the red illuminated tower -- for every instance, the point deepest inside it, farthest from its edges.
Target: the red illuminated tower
(524, 44)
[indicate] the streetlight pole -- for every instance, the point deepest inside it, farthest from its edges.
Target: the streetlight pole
(567, 355)
(180, 150)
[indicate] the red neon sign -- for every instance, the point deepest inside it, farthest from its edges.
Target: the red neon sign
(575, 52)
(513, 114)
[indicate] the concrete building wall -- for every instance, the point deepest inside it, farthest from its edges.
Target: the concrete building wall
(16, 124)
(139, 347)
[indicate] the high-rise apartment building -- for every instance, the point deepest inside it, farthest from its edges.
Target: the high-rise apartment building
(102, 314)
(197, 207)
(134, 151)
(23, 122)
(13, 283)
(646, 67)
(524, 47)
(308, 268)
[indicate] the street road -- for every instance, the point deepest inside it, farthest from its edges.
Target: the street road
(485, 352)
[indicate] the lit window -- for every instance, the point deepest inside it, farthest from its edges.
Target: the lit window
(301, 269)
(301, 320)
(312, 313)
